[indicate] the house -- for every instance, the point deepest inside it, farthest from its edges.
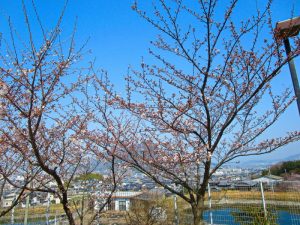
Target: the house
(8, 199)
(245, 185)
(40, 198)
(268, 179)
(120, 200)
(224, 184)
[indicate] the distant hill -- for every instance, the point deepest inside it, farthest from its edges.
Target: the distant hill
(268, 162)
(292, 158)
(284, 168)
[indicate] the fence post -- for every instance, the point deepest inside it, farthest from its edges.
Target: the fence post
(263, 199)
(12, 220)
(209, 204)
(272, 186)
(55, 218)
(48, 209)
(176, 210)
(26, 210)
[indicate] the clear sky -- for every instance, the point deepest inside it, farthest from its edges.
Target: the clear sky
(118, 37)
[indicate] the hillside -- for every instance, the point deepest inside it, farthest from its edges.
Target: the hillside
(284, 168)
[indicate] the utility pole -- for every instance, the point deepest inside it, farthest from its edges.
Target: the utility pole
(284, 30)
(293, 72)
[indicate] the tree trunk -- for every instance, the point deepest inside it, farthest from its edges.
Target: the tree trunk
(197, 210)
(69, 214)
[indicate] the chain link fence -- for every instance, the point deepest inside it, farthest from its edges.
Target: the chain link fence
(276, 203)
(36, 216)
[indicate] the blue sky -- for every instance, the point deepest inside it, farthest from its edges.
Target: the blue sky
(118, 37)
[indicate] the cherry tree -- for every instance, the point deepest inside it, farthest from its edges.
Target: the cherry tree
(208, 100)
(42, 128)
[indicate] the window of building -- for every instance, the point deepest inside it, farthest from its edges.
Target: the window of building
(122, 205)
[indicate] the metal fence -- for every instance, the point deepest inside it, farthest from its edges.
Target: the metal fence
(276, 203)
(36, 216)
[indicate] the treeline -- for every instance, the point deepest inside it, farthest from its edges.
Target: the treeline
(89, 176)
(283, 168)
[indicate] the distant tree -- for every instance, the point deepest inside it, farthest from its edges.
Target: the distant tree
(89, 176)
(42, 130)
(208, 99)
(290, 167)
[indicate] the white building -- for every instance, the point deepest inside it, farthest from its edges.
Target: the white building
(268, 179)
(8, 199)
(120, 200)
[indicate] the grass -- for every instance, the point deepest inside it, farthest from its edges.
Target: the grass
(35, 213)
(39, 210)
(245, 197)
(256, 195)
